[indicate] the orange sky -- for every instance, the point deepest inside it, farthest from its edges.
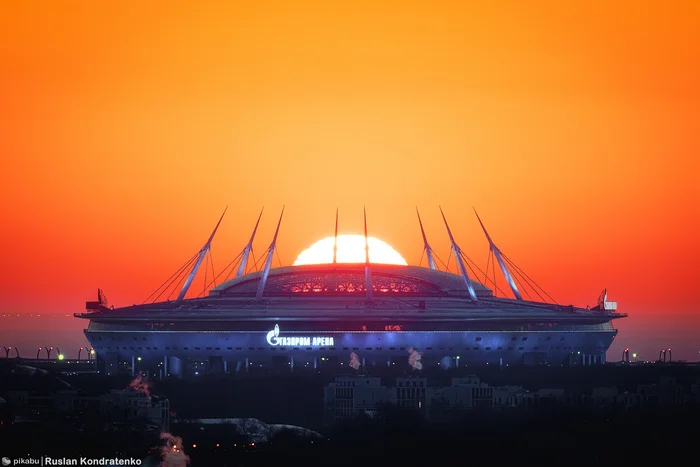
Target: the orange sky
(127, 127)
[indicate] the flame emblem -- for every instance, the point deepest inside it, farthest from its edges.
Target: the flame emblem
(273, 335)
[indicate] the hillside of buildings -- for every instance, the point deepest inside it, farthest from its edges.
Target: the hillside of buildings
(541, 413)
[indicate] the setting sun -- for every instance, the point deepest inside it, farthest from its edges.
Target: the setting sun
(351, 249)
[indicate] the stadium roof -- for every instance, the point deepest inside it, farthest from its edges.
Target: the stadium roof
(344, 278)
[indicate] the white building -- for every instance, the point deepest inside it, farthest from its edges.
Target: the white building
(464, 394)
(663, 394)
(125, 406)
(349, 396)
(410, 393)
(506, 396)
(121, 406)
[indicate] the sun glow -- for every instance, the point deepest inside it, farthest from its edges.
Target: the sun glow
(351, 249)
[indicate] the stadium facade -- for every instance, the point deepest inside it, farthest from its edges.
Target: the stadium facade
(344, 314)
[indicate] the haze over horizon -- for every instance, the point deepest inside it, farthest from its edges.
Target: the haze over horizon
(573, 129)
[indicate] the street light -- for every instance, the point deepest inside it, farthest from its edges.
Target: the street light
(79, 352)
(48, 352)
(60, 356)
(37, 353)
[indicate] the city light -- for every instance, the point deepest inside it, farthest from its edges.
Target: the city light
(60, 356)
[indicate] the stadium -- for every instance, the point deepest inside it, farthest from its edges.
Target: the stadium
(330, 311)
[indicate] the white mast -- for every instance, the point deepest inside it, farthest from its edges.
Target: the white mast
(497, 254)
(248, 248)
(460, 262)
(202, 253)
(335, 243)
(268, 262)
(426, 246)
(368, 271)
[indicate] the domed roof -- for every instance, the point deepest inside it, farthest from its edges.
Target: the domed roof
(344, 278)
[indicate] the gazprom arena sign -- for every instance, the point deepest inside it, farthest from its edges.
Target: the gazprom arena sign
(273, 338)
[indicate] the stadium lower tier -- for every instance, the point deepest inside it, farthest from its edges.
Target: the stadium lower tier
(186, 353)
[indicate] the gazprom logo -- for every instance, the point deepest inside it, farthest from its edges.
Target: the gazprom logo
(273, 338)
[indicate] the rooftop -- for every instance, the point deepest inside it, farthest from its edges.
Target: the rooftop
(344, 278)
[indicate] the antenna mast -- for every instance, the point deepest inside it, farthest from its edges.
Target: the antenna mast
(497, 254)
(460, 262)
(368, 271)
(268, 262)
(248, 248)
(202, 253)
(335, 243)
(426, 246)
